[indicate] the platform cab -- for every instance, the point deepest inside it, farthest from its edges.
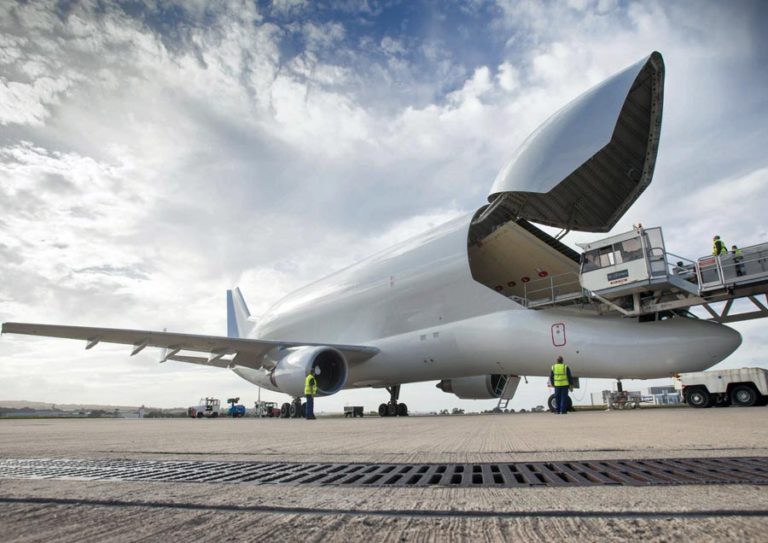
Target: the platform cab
(633, 261)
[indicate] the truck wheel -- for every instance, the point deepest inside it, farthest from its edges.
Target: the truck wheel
(199, 415)
(743, 396)
(215, 414)
(697, 397)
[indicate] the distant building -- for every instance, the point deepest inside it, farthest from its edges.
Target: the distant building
(666, 395)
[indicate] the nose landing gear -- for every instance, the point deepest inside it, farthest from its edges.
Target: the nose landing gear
(392, 408)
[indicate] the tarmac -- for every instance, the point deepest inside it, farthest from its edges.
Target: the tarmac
(78, 510)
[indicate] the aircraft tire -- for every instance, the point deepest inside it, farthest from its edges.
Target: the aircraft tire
(402, 410)
(383, 410)
(551, 403)
(743, 396)
(392, 410)
(285, 410)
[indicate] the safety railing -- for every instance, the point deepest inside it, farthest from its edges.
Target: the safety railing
(553, 289)
(682, 267)
(748, 265)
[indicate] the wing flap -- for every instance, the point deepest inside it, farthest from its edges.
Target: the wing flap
(201, 360)
(247, 352)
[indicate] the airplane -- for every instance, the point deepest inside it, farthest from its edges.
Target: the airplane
(445, 305)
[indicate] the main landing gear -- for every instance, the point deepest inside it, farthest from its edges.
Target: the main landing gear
(293, 410)
(392, 408)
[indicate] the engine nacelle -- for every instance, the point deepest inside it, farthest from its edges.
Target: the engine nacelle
(291, 370)
(477, 387)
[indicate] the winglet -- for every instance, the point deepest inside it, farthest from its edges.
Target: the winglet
(238, 316)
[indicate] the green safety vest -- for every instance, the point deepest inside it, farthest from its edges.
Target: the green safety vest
(560, 375)
(310, 385)
(719, 250)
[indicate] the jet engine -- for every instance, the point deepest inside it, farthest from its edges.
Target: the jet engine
(290, 371)
(477, 387)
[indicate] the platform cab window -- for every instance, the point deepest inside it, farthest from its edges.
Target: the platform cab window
(611, 255)
(600, 258)
(631, 249)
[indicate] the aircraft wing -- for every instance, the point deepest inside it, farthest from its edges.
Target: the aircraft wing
(243, 352)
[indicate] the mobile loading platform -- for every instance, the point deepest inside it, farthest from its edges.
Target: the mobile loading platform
(633, 274)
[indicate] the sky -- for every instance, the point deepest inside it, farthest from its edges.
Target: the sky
(155, 153)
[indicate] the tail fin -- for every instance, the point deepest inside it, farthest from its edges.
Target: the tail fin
(239, 322)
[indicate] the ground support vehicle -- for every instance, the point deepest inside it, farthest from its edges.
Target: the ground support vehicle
(235, 410)
(208, 407)
(266, 410)
(624, 399)
(353, 411)
(743, 387)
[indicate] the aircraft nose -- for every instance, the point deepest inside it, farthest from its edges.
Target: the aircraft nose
(714, 342)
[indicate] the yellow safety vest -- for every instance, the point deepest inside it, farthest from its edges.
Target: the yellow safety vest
(310, 385)
(721, 250)
(560, 375)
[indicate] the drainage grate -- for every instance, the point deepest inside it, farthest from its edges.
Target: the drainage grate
(676, 471)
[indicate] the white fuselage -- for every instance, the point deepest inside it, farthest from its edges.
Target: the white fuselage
(419, 304)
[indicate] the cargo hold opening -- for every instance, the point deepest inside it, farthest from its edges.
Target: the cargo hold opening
(506, 252)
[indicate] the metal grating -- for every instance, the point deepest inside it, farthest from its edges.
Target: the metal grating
(676, 471)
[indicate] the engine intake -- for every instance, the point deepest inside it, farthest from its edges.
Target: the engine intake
(294, 363)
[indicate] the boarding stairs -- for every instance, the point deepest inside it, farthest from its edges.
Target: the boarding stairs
(633, 274)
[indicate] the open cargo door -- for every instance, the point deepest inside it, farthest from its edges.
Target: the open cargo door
(584, 167)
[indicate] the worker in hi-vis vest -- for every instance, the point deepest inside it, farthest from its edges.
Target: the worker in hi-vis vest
(560, 378)
(310, 389)
(738, 258)
(718, 246)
